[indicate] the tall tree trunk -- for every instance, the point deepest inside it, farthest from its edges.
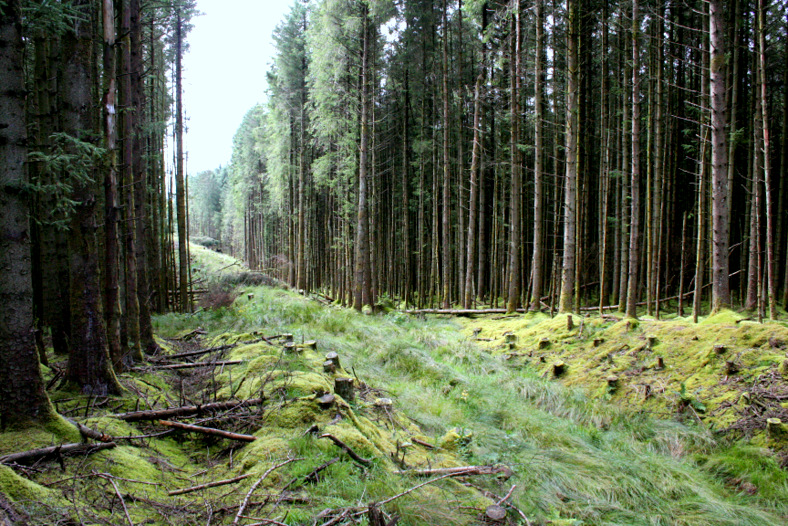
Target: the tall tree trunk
(634, 232)
(128, 115)
(362, 294)
(537, 256)
(140, 171)
(473, 199)
(111, 244)
(570, 192)
(22, 396)
(767, 171)
(89, 364)
(446, 211)
(515, 207)
(180, 189)
(720, 283)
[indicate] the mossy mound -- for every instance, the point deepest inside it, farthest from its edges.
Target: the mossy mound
(668, 367)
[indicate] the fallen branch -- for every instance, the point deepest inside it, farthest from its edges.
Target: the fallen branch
(35, 455)
(187, 365)
(199, 352)
(422, 443)
(454, 472)
(347, 449)
(208, 431)
(460, 312)
(198, 330)
(86, 432)
(120, 497)
(209, 485)
(190, 410)
(254, 487)
(312, 476)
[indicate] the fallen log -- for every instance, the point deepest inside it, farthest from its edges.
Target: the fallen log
(187, 365)
(54, 452)
(190, 410)
(87, 432)
(199, 352)
(208, 431)
(461, 312)
(459, 471)
(209, 485)
(347, 449)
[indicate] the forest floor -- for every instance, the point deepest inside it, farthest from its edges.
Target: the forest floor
(601, 421)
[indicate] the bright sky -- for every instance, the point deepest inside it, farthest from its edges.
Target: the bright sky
(230, 51)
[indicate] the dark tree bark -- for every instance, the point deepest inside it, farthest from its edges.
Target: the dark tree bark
(22, 395)
(362, 287)
(537, 256)
(89, 364)
(515, 206)
(570, 193)
(111, 220)
(180, 189)
(720, 268)
(634, 232)
(140, 171)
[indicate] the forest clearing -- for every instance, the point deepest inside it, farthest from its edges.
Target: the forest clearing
(463, 262)
(481, 395)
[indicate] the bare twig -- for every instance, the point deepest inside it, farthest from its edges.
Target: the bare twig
(257, 483)
(208, 431)
(463, 470)
(209, 485)
(347, 449)
(54, 452)
(157, 414)
(120, 497)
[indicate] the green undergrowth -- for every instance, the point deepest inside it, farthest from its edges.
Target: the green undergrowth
(578, 453)
(581, 451)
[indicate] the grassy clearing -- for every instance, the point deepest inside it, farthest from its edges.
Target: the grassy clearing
(581, 452)
(597, 459)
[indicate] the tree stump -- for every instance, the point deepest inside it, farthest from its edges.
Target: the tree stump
(329, 367)
(495, 513)
(612, 382)
(598, 341)
(544, 343)
(344, 388)
(287, 337)
(333, 358)
(476, 332)
(731, 367)
(660, 363)
(652, 341)
(559, 368)
(720, 348)
(510, 340)
(774, 426)
(309, 344)
(646, 391)
(570, 323)
(326, 401)
(290, 348)
(250, 296)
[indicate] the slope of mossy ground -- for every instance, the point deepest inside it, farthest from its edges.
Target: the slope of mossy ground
(580, 453)
(727, 372)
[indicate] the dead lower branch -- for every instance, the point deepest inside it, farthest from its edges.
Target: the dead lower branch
(191, 410)
(208, 431)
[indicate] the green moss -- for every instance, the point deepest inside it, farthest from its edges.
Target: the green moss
(22, 490)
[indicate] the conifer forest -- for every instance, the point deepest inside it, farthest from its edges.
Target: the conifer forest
(533, 155)
(514, 262)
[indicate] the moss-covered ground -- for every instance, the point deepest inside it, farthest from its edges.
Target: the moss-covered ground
(690, 449)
